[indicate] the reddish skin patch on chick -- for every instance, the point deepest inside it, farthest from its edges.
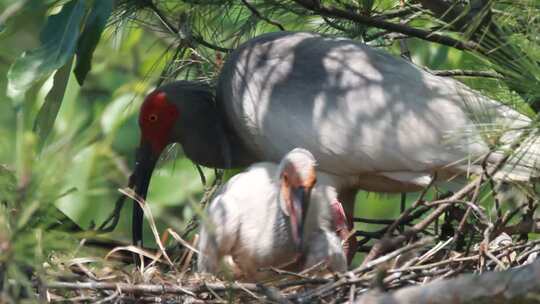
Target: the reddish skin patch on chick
(343, 230)
(339, 215)
(156, 120)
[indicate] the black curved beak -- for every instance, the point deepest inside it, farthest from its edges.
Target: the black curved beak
(145, 162)
(299, 205)
(139, 181)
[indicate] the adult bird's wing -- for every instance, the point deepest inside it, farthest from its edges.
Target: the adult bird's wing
(359, 110)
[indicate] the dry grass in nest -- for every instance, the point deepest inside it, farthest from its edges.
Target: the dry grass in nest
(421, 256)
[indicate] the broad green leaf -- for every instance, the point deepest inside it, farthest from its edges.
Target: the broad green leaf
(94, 26)
(58, 41)
(48, 112)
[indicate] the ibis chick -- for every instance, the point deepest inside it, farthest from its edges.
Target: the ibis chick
(271, 216)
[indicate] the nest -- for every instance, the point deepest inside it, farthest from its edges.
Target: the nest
(420, 262)
(447, 249)
(413, 256)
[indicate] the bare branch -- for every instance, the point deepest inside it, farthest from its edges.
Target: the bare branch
(402, 12)
(467, 73)
(171, 28)
(517, 285)
(258, 14)
(153, 288)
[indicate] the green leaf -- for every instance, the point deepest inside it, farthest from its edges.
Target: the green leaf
(8, 185)
(48, 112)
(95, 24)
(26, 214)
(58, 40)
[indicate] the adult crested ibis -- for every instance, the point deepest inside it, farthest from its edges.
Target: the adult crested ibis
(269, 216)
(374, 121)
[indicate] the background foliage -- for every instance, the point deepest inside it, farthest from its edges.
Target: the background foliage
(73, 74)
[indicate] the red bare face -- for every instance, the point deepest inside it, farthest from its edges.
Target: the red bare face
(156, 120)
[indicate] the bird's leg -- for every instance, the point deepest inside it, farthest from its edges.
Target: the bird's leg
(344, 227)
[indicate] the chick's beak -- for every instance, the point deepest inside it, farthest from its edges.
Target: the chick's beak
(299, 207)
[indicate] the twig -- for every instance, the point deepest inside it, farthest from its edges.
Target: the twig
(284, 272)
(389, 243)
(495, 259)
(208, 194)
(171, 28)
(274, 295)
(258, 14)
(318, 292)
(467, 73)
(153, 288)
(373, 221)
(316, 281)
(110, 298)
(148, 214)
(370, 265)
(181, 240)
(416, 203)
(401, 12)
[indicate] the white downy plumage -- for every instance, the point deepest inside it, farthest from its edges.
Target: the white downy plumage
(249, 220)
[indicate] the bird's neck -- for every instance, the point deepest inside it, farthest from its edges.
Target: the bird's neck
(212, 144)
(222, 151)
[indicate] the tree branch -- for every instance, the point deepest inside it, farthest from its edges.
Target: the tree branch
(517, 285)
(171, 28)
(402, 12)
(329, 11)
(153, 288)
(258, 14)
(467, 73)
(475, 22)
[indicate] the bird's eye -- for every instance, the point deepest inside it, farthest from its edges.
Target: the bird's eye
(152, 117)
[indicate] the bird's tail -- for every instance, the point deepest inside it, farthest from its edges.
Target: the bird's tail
(507, 138)
(521, 159)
